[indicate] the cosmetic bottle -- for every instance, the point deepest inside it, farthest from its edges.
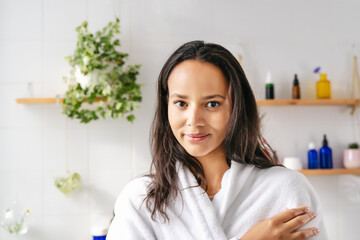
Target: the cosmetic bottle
(99, 227)
(325, 155)
(99, 233)
(323, 89)
(269, 87)
(313, 161)
(296, 88)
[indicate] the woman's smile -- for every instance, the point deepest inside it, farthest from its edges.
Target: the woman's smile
(197, 137)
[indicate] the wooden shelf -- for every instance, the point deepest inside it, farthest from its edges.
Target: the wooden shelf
(307, 102)
(335, 171)
(275, 102)
(38, 100)
(45, 100)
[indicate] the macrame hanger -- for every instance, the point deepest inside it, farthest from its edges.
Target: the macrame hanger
(67, 146)
(355, 84)
(116, 7)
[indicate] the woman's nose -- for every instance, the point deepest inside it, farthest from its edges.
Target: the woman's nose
(195, 117)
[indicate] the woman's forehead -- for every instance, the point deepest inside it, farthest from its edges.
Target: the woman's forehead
(195, 76)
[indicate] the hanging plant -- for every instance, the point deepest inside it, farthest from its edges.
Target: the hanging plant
(100, 84)
(69, 184)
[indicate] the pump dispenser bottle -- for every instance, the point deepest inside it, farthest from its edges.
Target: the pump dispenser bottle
(325, 155)
(296, 88)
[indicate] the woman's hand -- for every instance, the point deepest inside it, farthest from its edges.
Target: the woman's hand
(284, 226)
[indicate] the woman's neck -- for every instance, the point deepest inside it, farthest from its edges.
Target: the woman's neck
(214, 165)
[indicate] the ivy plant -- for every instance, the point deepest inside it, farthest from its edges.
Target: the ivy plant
(100, 83)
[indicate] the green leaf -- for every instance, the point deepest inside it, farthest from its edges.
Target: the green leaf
(130, 118)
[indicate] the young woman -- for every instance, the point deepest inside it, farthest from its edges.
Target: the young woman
(212, 175)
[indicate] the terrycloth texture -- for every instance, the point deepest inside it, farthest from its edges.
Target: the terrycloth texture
(248, 195)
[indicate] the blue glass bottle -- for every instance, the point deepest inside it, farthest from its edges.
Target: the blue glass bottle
(313, 161)
(325, 155)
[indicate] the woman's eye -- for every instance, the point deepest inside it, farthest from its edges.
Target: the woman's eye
(180, 104)
(212, 104)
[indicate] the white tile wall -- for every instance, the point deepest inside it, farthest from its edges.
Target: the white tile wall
(56, 67)
(54, 140)
(172, 20)
(20, 115)
(104, 189)
(78, 154)
(61, 18)
(110, 146)
(20, 20)
(58, 227)
(38, 143)
(30, 186)
(8, 185)
(240, 30)
(100, 12)
(20, 61)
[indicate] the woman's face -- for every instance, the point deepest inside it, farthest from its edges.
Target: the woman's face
(199, 107)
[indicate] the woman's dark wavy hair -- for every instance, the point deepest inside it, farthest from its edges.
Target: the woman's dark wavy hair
(243, 142)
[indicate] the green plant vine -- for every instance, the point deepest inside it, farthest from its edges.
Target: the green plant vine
(100, 84)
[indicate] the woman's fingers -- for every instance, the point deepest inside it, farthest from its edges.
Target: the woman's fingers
(289, 214)
(284, 226)
(306, 233)
(300, 221)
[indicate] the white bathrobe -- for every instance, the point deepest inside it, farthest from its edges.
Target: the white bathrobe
(247, 196)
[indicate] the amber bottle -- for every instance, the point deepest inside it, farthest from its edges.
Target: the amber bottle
(296, 88)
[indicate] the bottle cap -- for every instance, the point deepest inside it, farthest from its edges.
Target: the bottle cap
(99, 231)
(325, 142)
(323, 76)
(268, 77)
(311, 145)
(99, 225)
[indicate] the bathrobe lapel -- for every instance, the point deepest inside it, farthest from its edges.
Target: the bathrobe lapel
(197, 201)
(232, 183)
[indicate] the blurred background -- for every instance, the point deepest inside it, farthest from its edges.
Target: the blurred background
(38, 143)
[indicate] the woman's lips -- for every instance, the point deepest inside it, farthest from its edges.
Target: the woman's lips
(196, 137)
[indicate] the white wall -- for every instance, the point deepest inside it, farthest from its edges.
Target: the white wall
(39, 144)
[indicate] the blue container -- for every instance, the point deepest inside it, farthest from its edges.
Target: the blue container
(325, 155)
(313, 161)
(99, 237)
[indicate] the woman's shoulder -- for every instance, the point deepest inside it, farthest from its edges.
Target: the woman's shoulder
(137, 185)
(282, 176)
(291, 183)
(280, 172)
(275, 172)
(134, 192)
(276, 176)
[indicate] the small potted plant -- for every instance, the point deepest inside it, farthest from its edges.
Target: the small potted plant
(100, 83)
(352, 156)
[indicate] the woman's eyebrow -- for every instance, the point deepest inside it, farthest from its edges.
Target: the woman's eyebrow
(214, 96)
(176, 95)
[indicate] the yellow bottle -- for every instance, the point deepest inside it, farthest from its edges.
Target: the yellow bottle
(323, 89)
